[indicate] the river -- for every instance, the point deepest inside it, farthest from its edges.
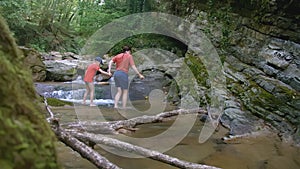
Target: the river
(262, 152)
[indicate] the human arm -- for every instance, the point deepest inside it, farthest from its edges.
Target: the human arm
(103, 72)
(137, 72)
(109, 66)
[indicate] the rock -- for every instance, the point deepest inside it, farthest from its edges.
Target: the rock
(291, 76)
(269, 70)
(33, 61)
(278, 59)
(61, 70)
(246, 137)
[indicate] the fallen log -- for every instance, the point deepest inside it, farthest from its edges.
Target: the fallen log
(84, 150)
(71, 139)
(133, 122)
(155, 155)
(113, 126)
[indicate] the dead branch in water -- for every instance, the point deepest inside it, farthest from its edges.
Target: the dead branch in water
(84, 150)
(155, 155)
(78, 146)
(72, 139)
(112, 127)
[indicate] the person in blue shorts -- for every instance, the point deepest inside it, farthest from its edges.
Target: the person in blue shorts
(123, 62)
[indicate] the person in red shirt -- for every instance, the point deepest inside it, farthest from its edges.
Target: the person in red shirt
(123, 62)
(89, 79)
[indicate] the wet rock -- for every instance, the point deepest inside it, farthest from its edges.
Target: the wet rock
(291, 76)
(33, 61)
(61, 70)
(269, 70)
(55, 55)
(278, 59)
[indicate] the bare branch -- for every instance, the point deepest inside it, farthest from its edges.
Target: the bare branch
(113, 126)
(48, 110)
(155, 155)
(84, 150)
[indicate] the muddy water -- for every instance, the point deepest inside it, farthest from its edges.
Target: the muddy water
(265, 152)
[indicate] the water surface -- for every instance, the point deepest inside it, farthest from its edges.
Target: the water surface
(265, 152)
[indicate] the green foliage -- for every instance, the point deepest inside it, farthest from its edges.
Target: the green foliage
(91, 17)
(221, 13)
(149, 40)
(39, 24)
(261, 4)
(66, 25)
(179, 7)
(137, 6)
(198, 69)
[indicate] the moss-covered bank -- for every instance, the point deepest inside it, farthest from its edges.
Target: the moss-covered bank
(26, 138)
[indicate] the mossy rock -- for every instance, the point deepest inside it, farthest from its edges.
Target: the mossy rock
(27, 140)
(56, 102)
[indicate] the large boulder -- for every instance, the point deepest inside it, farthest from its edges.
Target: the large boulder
(61, 70)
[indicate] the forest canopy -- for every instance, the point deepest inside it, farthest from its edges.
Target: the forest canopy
(65, 25)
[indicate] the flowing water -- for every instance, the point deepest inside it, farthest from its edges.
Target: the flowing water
(262, 152)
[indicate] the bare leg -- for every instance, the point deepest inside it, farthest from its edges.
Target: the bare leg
(87, 91)
(92, 91)
(124, 98)
(117, 97)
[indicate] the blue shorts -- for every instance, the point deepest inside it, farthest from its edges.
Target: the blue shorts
(121, 79)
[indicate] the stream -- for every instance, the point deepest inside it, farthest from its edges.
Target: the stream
(262, 152)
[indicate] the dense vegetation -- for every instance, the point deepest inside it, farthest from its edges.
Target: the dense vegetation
(63, 25)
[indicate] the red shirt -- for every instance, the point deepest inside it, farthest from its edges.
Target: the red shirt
(90, 72)
(123, 61)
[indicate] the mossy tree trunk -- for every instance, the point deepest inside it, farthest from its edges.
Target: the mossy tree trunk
(26, 138)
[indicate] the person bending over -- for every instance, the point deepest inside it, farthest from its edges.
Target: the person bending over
(123, 62)
(89, 79)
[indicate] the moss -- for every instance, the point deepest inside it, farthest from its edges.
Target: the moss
(264, 104)
(26, 138)
(72, 71)
(57, 102)
(198, 69)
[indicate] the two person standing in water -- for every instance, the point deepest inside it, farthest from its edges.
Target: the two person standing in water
(123, 62)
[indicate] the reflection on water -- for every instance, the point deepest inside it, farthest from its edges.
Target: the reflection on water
(266, 152)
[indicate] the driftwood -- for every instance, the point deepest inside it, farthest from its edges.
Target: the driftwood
(243, 138)
(114, 127)
(78, 146)
(155, 155)
(72, 139)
